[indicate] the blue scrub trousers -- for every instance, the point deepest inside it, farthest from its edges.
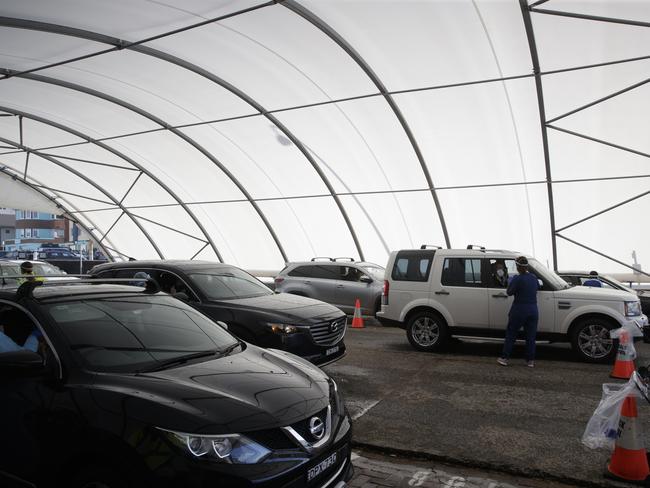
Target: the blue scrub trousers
(525, 316)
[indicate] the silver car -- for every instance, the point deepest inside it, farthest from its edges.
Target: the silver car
(339, 281)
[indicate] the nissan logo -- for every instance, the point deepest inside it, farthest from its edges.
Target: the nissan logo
(317, 428)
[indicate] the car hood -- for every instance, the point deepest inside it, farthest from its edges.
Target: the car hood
(595, 293)
(293, 306)
(251, 390)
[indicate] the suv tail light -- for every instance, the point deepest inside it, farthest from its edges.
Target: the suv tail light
(384, 292)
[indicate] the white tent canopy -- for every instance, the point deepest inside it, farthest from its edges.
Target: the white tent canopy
(262, 132)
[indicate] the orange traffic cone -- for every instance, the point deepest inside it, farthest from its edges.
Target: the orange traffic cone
(357, 321)
(630, 460)
(624, 365)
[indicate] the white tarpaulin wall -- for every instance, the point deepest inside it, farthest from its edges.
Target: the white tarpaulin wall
(259, 132)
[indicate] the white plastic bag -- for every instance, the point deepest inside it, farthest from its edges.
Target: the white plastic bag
(602, 428)
(626, 344)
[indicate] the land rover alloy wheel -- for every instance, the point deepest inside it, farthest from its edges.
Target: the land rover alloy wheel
(426, 331)
(591, 340)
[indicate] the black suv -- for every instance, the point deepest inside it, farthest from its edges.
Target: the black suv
(309, 328)
(132, 388)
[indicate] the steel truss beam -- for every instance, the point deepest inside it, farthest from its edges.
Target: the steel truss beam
(528, 24)
(599, 141)
(184, 137)
(365, 67)
(120, 155)
(602, 254)
(138, 47)
(92, 183)
(598, 18)
(36, 188)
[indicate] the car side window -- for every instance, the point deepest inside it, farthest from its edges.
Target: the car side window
(412, 266)
(350, 273)
(325, 272)
(301, 272)
(18, 331)
(500, 272)
(462, 272)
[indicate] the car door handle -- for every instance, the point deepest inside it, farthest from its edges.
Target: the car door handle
(340, 286)
(307, 282)
(500, 295)
(442, 292)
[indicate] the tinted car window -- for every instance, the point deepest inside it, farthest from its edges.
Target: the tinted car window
(128, 334)
(349, 273)
(228, 283)
(412, 266)
(461, 272)
(303, 271)
(326, 272)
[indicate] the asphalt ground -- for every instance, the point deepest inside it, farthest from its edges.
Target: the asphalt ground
(460, 407)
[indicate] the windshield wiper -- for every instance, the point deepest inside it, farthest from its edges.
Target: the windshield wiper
(180, 360)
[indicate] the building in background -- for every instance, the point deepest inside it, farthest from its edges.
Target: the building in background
(33, 228)
(7, 225)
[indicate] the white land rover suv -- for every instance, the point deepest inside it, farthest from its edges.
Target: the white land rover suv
(438, 293)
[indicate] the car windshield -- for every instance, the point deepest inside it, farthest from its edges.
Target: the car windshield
(47, 269)
(228, 284)
(375, 272)
(617, 283)
(542, 272)
(131, 334)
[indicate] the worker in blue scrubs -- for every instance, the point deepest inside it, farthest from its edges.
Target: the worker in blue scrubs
(523, 312)
(7, 344)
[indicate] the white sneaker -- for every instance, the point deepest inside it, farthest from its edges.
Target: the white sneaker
(502, 361)
(530, 364)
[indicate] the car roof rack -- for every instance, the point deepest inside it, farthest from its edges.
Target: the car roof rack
(26, 290)
(429, 246)
(474, 246)
(343, 259)
(322, 258)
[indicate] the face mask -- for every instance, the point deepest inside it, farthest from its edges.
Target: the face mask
(500, 273)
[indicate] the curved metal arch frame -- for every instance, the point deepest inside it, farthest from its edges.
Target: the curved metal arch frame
(120, 155)
(170, 128)
(146, 50)
(17, 177)
(330, 32)
(110, 196)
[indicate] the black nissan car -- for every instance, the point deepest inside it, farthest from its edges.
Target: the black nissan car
(306, 327)
(120, 387)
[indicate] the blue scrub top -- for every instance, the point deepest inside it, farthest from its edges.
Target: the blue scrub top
(524, 287)
(8, 345)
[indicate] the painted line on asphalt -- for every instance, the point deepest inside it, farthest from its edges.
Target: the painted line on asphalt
(365, 406)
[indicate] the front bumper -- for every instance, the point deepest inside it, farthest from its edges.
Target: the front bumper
(289, 470)
(641, 323)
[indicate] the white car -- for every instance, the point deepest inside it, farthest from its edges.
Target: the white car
(10, 271)
(438, 293)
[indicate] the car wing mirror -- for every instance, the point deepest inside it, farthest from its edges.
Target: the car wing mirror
(222, 324)
(21, 363)
(365, 279)
(181, 296)
(540, 283)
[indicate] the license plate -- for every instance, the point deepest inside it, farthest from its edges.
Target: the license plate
(321, 467)
(331, 350)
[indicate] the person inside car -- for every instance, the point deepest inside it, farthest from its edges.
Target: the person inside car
(499, 274)
(12, 320)
(27, 272)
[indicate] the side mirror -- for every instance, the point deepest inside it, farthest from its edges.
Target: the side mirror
(222, 324)
(181, 296)
(365, 279)
(21, 363)
(540, 283)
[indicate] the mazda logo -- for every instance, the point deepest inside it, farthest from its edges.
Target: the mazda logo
(334, 327)
(317, 428)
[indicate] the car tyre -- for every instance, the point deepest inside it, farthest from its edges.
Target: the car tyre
(427, 331)
(591, 341)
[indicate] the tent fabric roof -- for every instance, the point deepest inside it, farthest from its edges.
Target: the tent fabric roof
(260, 132)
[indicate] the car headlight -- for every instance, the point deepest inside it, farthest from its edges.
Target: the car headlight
(335, 397)
(278, 328)
(632, 309)
(228, 448)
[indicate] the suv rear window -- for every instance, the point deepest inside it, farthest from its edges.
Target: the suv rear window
(412, 266)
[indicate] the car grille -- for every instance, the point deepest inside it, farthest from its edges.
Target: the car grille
(302, 427)
(328, 333)
(274, 439)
